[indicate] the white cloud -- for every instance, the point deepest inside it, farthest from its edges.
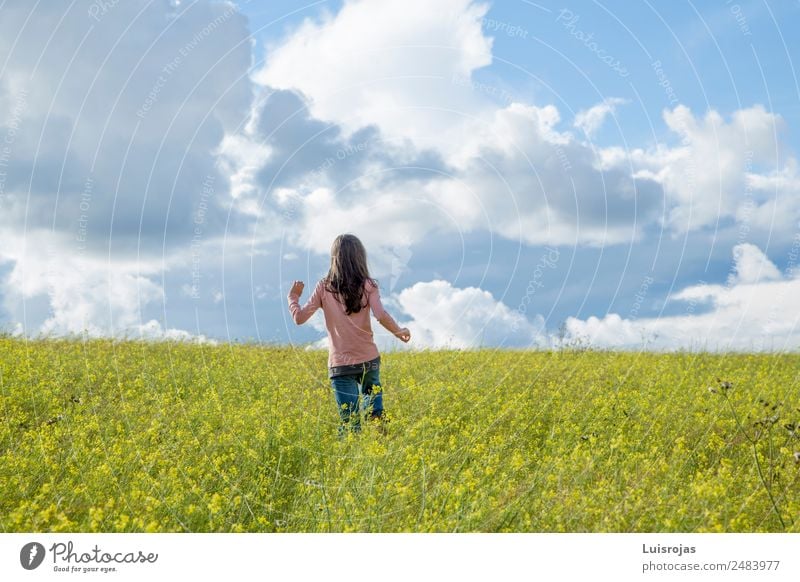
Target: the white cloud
(705, 177)
(442, 316)
(445, 316)
(438, 157)
(83, 294)
(111, 173)
(751, 265)
(386, 63)
(240, 157)
(756, 311)
(774, 209)
(153, 330)
(137, 110)
(511, 173)
(590, 120)
(54, 289)
(391, 219)
(528, 181)
(508, 170)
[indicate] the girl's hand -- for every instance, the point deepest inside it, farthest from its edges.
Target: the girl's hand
(403, 334)
(297, 288)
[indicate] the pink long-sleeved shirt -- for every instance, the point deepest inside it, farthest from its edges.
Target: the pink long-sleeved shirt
(349, 336)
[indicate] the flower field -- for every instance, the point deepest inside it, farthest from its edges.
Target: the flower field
(173, 437)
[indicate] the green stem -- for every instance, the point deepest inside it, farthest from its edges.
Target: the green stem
(768, 489)
(758, 463)
(325, 498)
(736, 418)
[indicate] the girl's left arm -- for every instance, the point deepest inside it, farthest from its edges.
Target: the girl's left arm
(301, 314)
(383, 316)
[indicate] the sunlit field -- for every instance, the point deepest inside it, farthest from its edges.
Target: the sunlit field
(171, 437)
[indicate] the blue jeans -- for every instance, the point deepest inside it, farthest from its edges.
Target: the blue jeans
(347, 389)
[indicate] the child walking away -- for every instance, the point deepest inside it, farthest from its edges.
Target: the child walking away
(346, 296)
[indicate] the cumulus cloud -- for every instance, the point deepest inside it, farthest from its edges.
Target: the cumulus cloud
(590, 120)
(385, 63)
(706, 176)
(508, 169)
(153, 330)
(121, 129)
(752, 266)
(773, 209)
(118, 114)
(536, 184)
(442, 316)
(756, 310)
(512, 173)
(82, 294)
(139, 157)
(305, 181)
(51, 293)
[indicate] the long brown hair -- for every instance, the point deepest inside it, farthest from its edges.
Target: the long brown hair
(348, 272)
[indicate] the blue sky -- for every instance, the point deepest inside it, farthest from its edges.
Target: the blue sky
(625, 172)
(723, 55)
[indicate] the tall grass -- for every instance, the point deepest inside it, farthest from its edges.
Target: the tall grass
(131, 436)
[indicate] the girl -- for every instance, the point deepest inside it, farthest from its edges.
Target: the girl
(346, 295)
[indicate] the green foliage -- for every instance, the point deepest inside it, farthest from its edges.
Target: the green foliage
(130, 436)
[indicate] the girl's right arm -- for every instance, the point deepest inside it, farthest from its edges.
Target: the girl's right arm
(383, 317)
(301, 314)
